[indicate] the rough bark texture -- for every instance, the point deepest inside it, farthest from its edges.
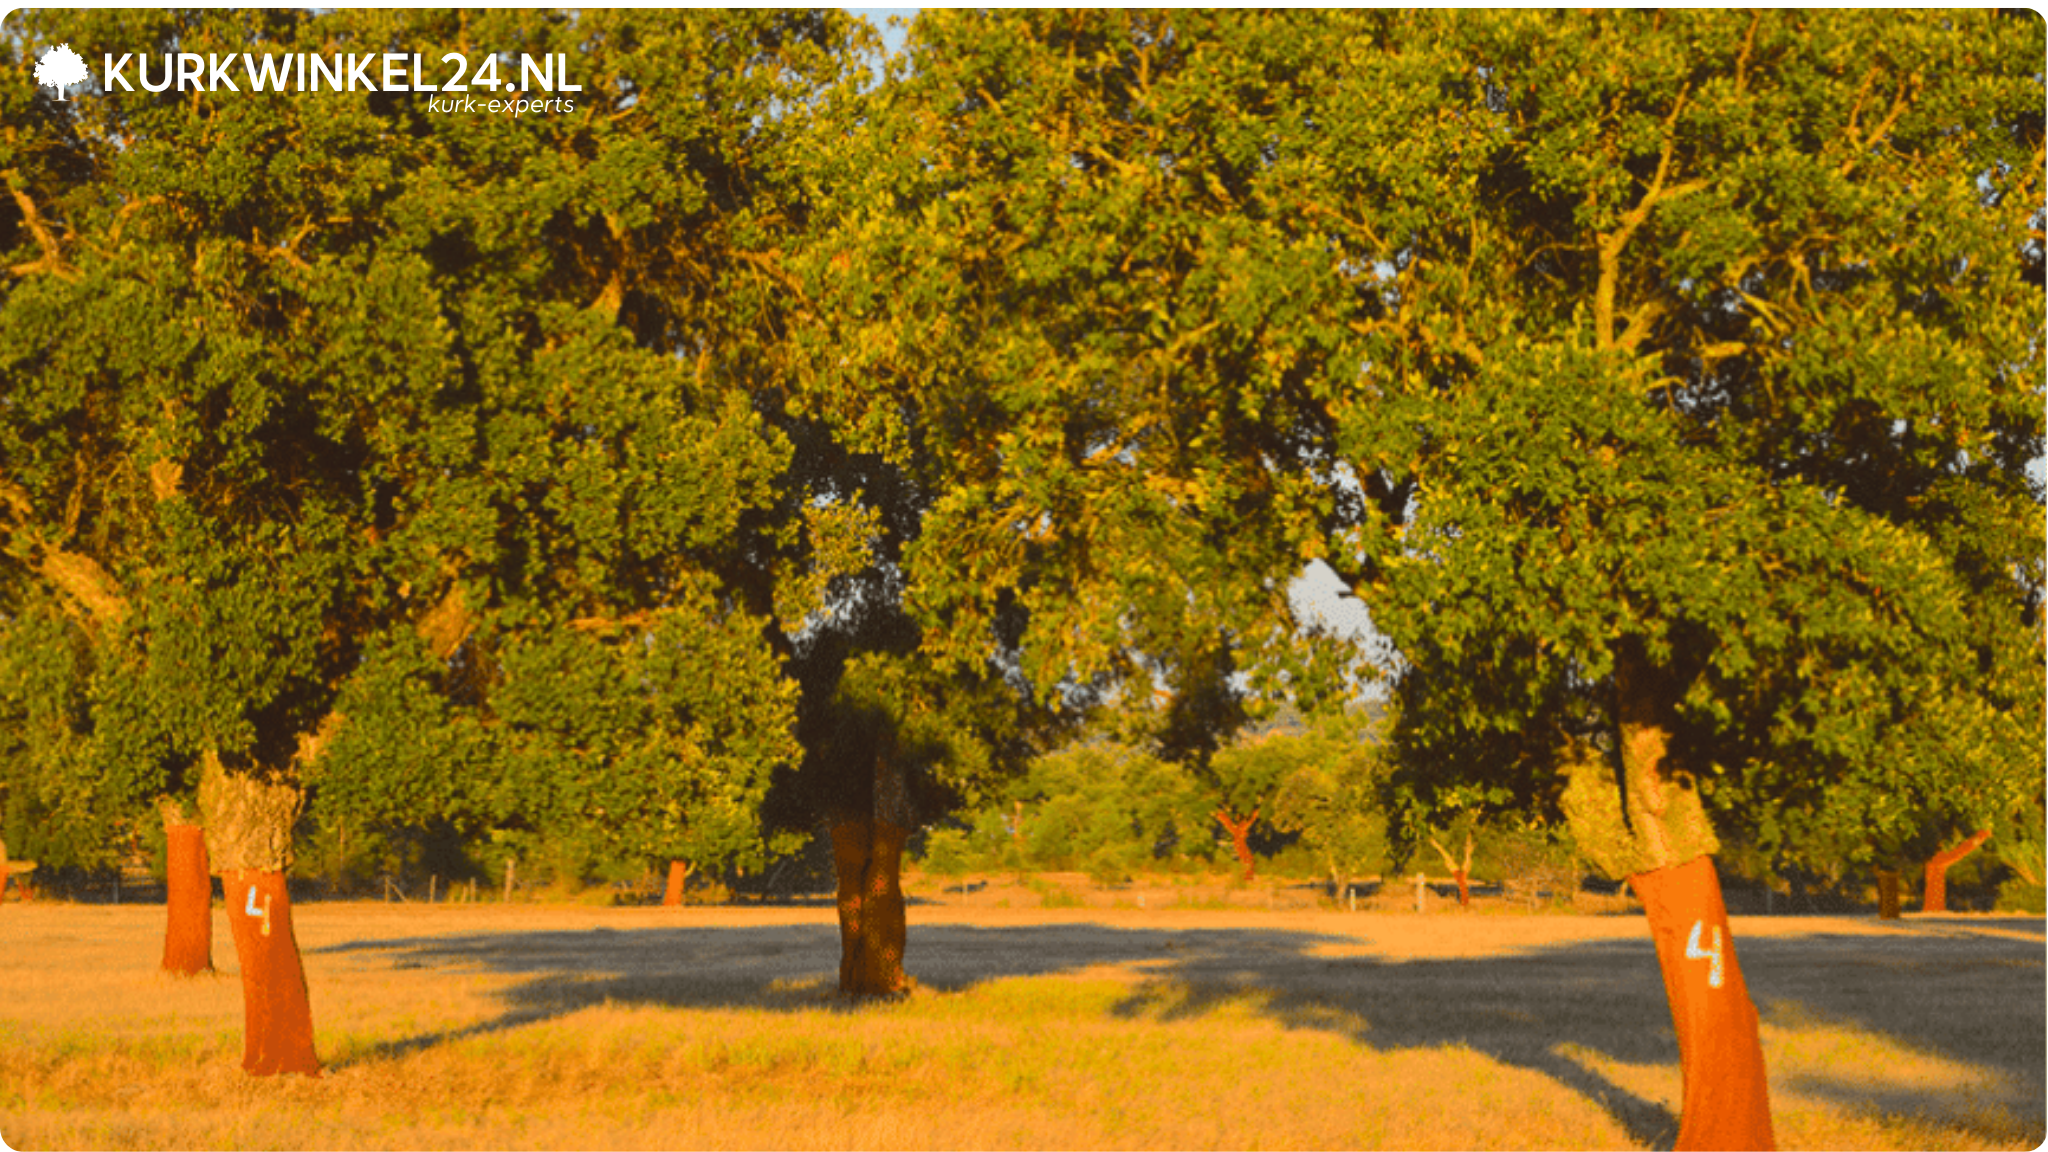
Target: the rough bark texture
(188, 901)
(1726, 1102)
(1934, 895)
(248, 817)
(1887, 894)
(277, 1016)
(672, 896)
(1241, 839)
(867, 857)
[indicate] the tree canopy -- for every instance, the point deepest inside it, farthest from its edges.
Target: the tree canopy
(1665, 384)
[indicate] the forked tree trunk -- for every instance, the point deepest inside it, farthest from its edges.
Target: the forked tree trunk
(1934, 895)
(867, 857)
(248, 817)
(277, 1032)
(1240, 838)
(1460, 872)
(678, 871)
(188, 896)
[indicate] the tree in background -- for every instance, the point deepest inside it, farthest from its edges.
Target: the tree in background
(1108, 809)
(1336, 797)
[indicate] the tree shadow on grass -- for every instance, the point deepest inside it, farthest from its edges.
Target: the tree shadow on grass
(1950, 990)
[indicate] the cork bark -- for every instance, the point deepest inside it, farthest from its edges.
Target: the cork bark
(248, 817)
(867, 857)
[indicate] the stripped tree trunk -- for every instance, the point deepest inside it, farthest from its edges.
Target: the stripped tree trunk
(249, 817)
(1934, 895)
(1650, 827)
(277, 1032)
(678, 871)
(1459, 871)
(867, 856)
(1240, 838)
(1726, 1100)
(188, 895)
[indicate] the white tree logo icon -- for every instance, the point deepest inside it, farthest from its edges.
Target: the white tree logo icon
(60, 66)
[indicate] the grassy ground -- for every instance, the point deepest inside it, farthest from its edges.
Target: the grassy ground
(535, 1026)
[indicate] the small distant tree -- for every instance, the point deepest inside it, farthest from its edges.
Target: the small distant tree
(1106, 808)
(1333, 799)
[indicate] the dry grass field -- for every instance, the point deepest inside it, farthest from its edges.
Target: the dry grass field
(531, 1026)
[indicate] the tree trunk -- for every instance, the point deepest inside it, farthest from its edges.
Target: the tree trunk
(1726, 1102)
(277, 1033)
(188, 899)
(1240, 838)
(1460, 872)
(1934, 895)
(248, 817)
(867, 856)
(1650, 827)
(678, 871)
(1887, 894)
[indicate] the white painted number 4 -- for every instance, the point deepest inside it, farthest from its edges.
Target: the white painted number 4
(1692, 952)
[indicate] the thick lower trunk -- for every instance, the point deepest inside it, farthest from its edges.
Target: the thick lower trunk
(1240, 839)
(678, 871)
(1934, 896)
(248, 816)
(1651, 827)
(188, 901)
(3, 881)
(1726, 1100)
(1887, 894)
(1464, 888)
(277, 1025)
(867, 855)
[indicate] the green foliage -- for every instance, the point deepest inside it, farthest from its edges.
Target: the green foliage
(437, 442)
(1335, 796)
(1108, 810)
(1701, 351)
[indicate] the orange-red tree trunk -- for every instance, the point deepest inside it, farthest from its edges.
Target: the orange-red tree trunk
(188, 901)
(1934, 894)
(1240, 838)
(678, 871)
(277, 1016)
(1726, 1095)
(867, 856)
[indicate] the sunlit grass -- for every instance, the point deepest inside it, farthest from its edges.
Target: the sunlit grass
(98, 1051)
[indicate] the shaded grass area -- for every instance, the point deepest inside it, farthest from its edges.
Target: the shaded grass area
(1103, 1032)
